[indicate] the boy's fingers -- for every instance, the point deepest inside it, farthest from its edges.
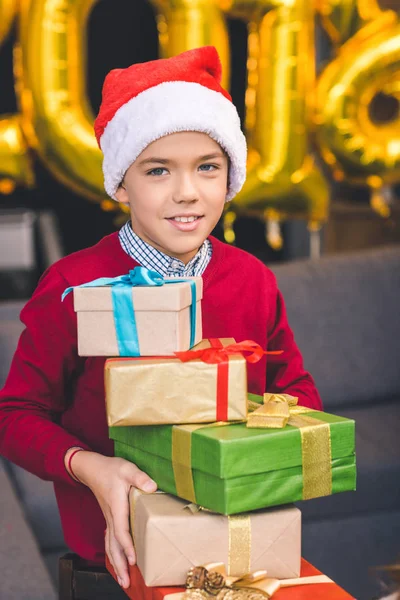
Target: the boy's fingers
(118, 560)
(121, 530)
(142, 481)
(110, 555)
(107, 546)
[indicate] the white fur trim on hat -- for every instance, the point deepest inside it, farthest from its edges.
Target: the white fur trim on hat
(166, 108)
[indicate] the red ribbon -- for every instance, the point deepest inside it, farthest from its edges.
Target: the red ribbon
(219, 355)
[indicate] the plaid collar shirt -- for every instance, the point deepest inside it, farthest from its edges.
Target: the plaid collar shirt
(165, 265)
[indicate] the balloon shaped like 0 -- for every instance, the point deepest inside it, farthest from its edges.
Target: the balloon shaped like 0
(15, 164)
(56, 116)
(351, 142)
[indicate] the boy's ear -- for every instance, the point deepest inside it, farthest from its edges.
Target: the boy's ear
(121, 194)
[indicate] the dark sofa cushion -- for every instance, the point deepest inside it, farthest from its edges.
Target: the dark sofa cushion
(40, 506)
(348, 549)
(378, 466)
(23, 574)
(345, 314)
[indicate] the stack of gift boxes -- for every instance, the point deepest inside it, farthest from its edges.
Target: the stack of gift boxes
(178, 407)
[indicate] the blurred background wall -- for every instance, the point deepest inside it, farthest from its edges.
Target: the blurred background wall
(311, 176)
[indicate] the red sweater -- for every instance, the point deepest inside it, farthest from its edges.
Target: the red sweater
(53, 399)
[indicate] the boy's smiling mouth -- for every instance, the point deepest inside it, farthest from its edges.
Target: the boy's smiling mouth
(185, 222)
(186, 218)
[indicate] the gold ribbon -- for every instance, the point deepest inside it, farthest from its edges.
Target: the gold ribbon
(277, 411)
(182, 460)
(239, 541)
(280, 410)
(211, 582)
(239, 545)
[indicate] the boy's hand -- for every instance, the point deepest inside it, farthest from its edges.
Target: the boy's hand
(110, 480)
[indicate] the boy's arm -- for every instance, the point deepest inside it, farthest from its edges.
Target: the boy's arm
(35, 391)
(285, 372)
(33, 398)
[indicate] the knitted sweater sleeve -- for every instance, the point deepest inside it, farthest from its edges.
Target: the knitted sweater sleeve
(35, 392)
(285, 372)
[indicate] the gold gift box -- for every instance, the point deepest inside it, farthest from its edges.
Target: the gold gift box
(170, 537)
(156, 391)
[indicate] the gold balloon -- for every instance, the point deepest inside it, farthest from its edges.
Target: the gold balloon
(8, 10)
(357, 147)
(56, 116)
(187, 24)
(343, 18)
(15, 164)
(283, 180)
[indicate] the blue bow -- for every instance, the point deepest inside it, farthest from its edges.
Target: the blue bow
(123, 310)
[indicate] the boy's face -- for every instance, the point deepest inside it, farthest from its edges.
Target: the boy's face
(176, 192)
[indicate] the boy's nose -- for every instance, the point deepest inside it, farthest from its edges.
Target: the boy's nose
(185, 191)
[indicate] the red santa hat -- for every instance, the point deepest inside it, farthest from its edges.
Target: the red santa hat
(147, 101)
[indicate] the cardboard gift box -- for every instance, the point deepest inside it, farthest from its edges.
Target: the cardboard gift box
(322, 588)
(140, 320)
(171, 536)
(153, 391)
(229, 468)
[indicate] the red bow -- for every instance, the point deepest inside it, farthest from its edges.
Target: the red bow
(219, 353)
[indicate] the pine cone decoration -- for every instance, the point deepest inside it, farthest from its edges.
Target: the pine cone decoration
(196, 578)
(214, 583)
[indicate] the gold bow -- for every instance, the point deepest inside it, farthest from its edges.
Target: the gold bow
(280, 410)
(212, 583)
(274, 413)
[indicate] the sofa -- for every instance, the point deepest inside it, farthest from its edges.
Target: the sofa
(344, 311)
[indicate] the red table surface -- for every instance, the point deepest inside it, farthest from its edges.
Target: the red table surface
(320, 591)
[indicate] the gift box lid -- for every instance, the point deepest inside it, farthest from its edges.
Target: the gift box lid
(154, 298)
(232, 449)
(125, 363)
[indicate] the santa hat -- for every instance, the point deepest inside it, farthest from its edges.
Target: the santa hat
(147, 101)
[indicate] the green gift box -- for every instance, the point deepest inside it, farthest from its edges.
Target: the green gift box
(230, 468)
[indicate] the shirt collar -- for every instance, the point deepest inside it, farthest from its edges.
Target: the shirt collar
(168, 266)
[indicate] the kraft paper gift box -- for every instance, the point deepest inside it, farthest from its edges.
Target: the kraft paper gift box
(153, 391)
(140, 320)
(170, 537)
(231, 469)
(322, 588)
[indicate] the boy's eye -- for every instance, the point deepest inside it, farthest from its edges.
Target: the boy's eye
(208, 167)
(157, 171)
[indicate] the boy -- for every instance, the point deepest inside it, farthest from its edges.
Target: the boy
(174, 152)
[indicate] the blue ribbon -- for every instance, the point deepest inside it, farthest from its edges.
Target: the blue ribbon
(123, 310)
